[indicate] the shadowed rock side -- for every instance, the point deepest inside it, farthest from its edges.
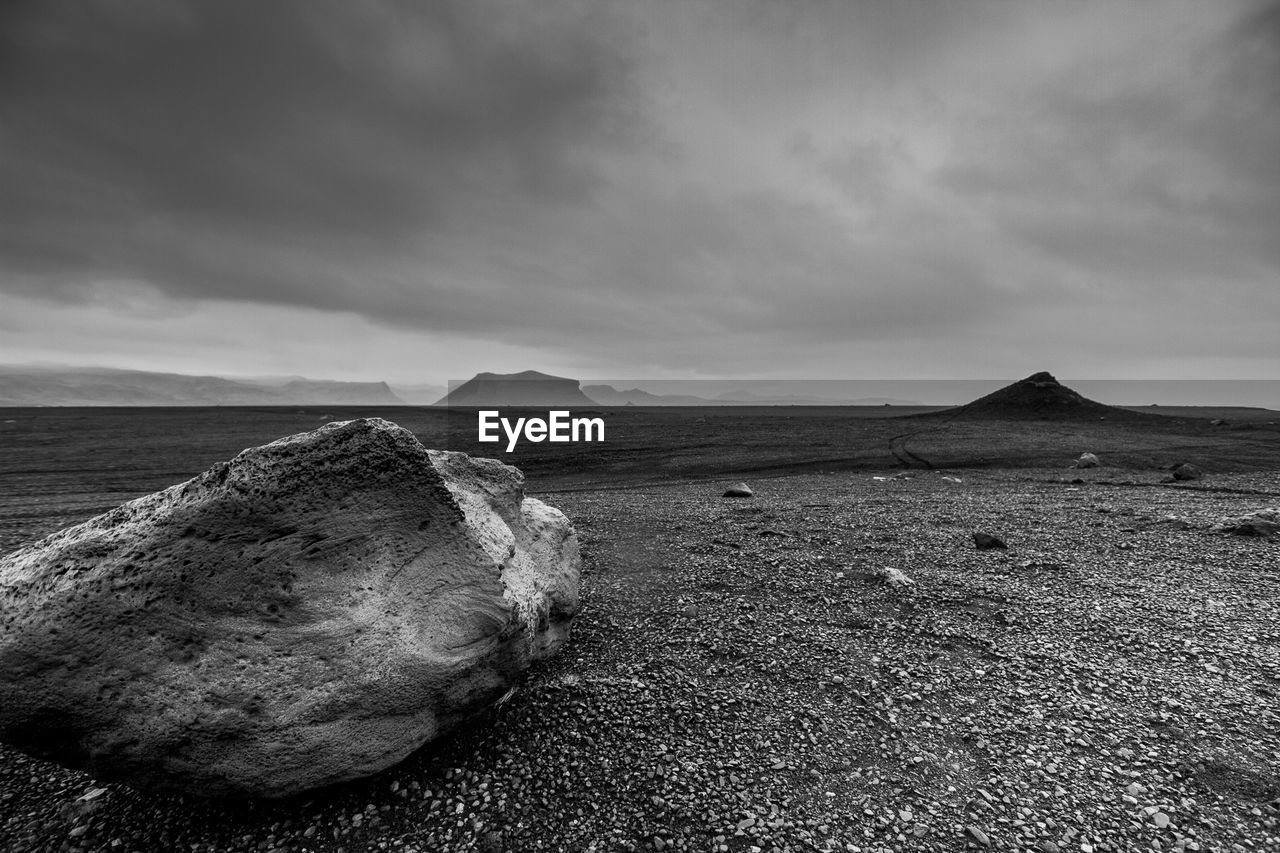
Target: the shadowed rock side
(308, 613)
(1037, 396)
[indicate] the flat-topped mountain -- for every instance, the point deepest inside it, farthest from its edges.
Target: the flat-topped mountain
(1038, 396)
(529, 388)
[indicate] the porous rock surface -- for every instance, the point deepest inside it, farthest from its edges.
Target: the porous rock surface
(311, 612)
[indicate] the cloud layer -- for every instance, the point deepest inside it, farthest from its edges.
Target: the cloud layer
(706, 188)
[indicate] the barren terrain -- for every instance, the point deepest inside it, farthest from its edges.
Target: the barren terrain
(742, 677)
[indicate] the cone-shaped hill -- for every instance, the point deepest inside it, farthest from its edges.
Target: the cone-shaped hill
(530, 388)
(1041, 397)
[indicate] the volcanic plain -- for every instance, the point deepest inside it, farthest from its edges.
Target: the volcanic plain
(748, 675)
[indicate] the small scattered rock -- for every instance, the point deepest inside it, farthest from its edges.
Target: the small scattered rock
(1086, 460)
(977, 836)
(739, 491)
(1187, 471)
(987, 542)
(895, 578)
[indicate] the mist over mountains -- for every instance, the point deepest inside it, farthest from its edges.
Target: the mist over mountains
(531, 388)
(54, 385)
(63, 385)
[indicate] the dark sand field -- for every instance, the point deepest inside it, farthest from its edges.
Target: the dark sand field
(741, 678)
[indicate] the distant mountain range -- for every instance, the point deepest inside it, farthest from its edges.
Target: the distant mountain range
(607, 395)
(534, 389)
(61, 385)
(980, 394)
(95, 386)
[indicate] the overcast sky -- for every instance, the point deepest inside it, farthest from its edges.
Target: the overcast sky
(418, 191)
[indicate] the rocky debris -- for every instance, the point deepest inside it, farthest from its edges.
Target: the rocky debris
(310, 612)
(799, 713)
(1218, 422)
(1170, 521)
(1187, 471)
(1086, 460)
(987, 542)
(977, 836)
(1262, 522)
(739, 491)
(952, 478)
(895, 578)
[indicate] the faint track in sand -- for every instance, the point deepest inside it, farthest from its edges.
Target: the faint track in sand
(898, 444)
(898, 447)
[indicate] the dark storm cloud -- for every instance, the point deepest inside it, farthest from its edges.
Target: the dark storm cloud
(234, 149)
(647, 184)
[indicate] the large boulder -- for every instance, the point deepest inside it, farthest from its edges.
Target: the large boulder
(311, 612)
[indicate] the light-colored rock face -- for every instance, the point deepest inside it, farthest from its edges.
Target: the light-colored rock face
(1262, 522)
(311, 612)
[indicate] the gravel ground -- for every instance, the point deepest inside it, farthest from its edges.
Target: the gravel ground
(743, 678)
